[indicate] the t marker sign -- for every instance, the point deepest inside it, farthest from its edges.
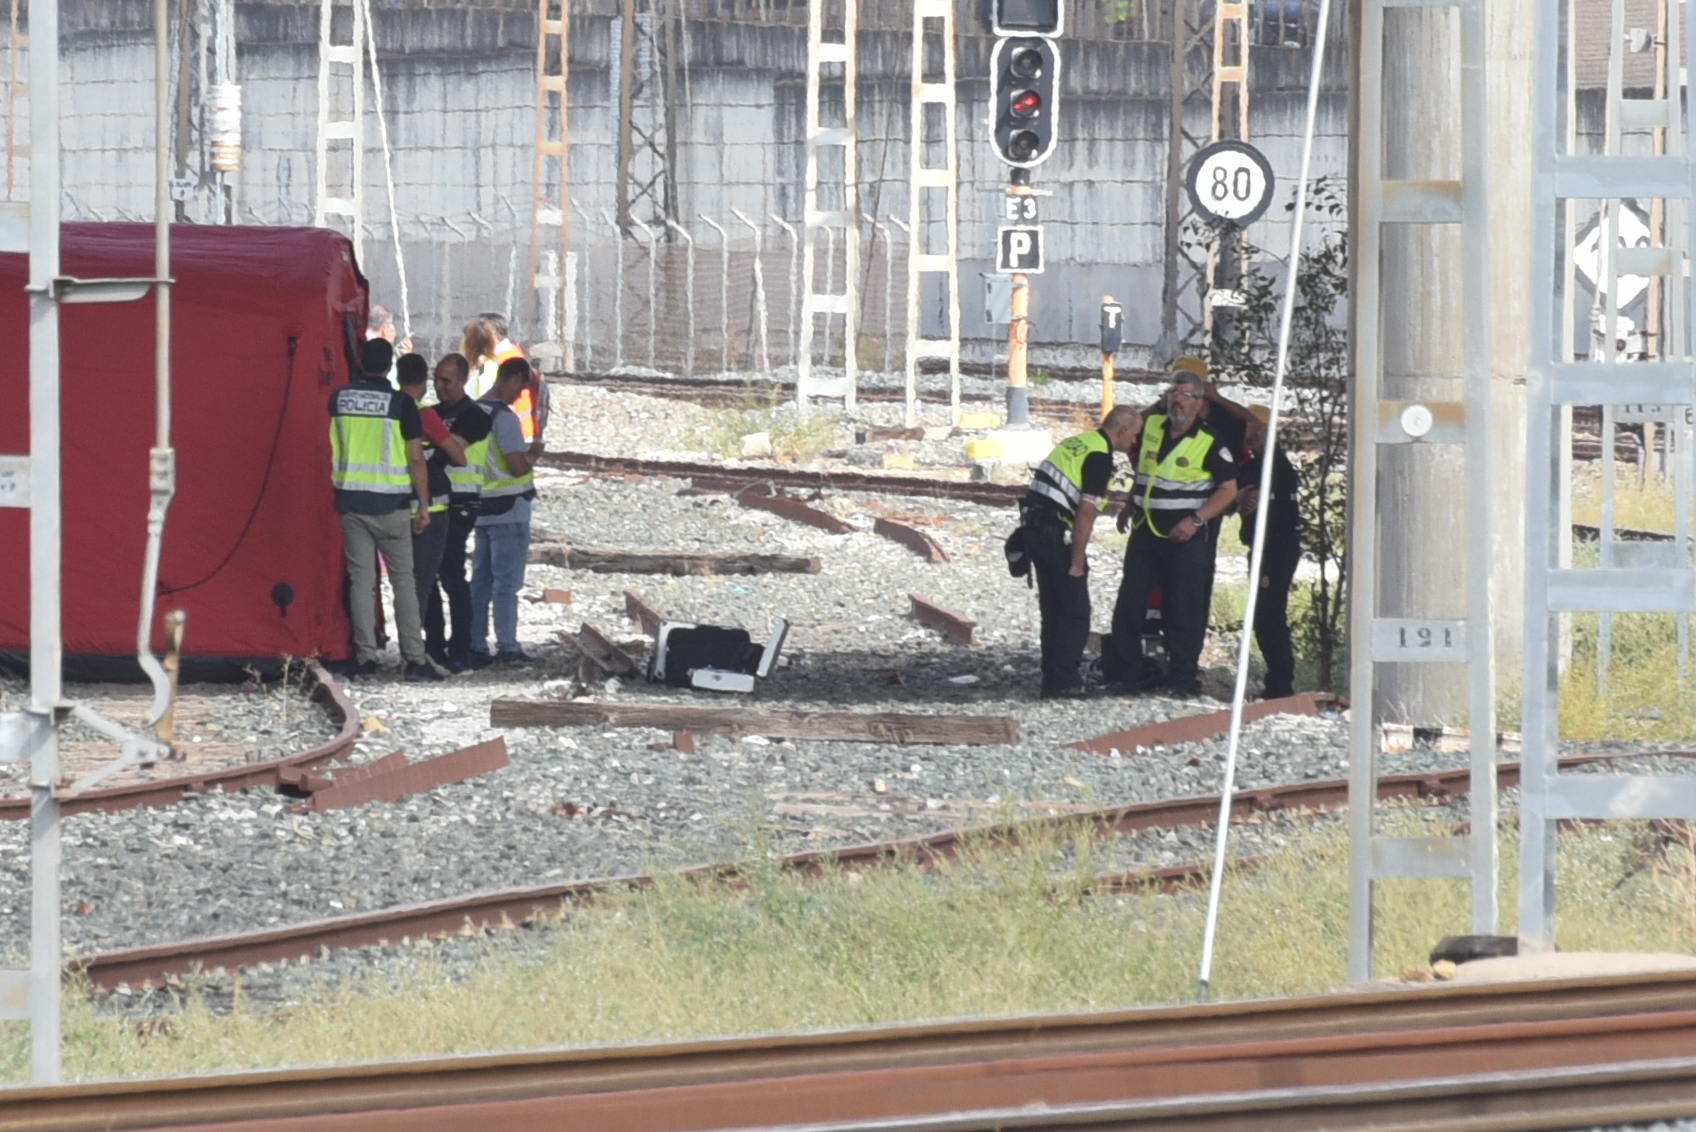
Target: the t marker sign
(1018, 251)
(1232, 181)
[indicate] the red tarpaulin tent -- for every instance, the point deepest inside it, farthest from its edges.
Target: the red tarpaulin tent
(252, 550)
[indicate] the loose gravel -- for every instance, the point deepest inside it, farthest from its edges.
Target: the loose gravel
(594, 801)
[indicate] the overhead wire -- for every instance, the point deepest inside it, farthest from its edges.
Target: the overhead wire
(1257, 553)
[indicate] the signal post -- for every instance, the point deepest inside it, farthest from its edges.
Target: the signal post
(1024, 94)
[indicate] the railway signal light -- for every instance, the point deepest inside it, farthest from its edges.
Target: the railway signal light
(1023, 98)
(1029, 17)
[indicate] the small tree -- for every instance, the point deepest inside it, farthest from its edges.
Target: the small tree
(1316, 434)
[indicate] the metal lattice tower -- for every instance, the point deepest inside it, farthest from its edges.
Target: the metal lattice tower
(650, 45)
(550, 262)
(818, 297)
(1382, 421)
(926, 182)
(1210, 63)
(1560, 377)
(1230, 122)
(341, 113)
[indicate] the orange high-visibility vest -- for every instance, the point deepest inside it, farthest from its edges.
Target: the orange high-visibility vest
(525, 409)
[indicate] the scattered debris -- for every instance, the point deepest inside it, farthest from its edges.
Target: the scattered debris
(650, 562)
(915, 540)
(844, 726)
(602, 653)
(642, 611)
(1189, 728)
(392, 777)
(795, 510)
(953, 626)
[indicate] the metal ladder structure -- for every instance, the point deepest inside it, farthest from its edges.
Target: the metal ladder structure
(944, 180)
(1210, 60)
(1556, 381)
(818, 298)
(341, 133)
(550, 260)
(650, 42)
(1230, 93)
(1665, 332)
(1375, 640)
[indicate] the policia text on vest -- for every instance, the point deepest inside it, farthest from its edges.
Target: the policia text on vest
(378, 472)
(1186, 478)
(1057, 517)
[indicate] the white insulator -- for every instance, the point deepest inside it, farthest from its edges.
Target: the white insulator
(226, 127)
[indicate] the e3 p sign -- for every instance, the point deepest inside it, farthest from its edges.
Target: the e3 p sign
(1018, 251)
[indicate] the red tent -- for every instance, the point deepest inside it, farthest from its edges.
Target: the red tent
(252, 549)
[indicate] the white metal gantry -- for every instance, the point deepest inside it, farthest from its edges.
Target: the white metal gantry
(1375, 640)
(340, 124)
(550, 264)
(944, 264)
(1620, 257)
(1559, 377)
(819, 298)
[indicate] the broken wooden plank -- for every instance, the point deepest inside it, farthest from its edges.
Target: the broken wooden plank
(878, 435)
(1190, 728)
(391, 777)
(915, 540)
(844, 726)
(603, 653)
(795, 510)
(642, 611)
(956, 628)
(661, 562)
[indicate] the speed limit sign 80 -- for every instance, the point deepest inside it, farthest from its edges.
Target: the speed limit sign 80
(1232, 181)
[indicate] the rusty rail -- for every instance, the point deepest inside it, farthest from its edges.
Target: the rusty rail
(168, 790)
(1045, 1071)
(139, 965)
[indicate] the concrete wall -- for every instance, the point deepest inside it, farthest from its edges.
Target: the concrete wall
(459, 97)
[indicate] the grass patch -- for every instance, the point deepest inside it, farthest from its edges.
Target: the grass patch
(792, 437)
(998, 932)
(1647, 506)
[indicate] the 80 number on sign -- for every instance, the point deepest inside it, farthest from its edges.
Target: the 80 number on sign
(1232, 181)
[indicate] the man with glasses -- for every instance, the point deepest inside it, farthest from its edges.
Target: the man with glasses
(1186, 477)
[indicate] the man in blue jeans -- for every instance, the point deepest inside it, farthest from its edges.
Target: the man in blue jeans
(503, 521)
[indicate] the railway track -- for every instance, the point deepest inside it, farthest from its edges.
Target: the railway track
(1375, 1058)
(139, 966)
(164, 791)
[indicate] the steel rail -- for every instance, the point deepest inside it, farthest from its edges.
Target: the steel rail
(892, 1074)
(137, 966)
(1547, 1100)
(165, 791)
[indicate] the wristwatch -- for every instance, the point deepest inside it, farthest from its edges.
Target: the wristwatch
(1198, 520)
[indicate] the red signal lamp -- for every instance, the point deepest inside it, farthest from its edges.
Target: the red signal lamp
(1025, 104)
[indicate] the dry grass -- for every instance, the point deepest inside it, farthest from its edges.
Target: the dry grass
(1646, 506)
(1000, 932)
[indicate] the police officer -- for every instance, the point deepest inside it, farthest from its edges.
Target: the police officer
(503, 522)
(1058, 514)
(1282, 554)
(382, 493)
(448, 638)
(1185, 478)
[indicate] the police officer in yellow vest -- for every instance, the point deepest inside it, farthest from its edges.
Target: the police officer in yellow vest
(1186, 478)
(503, 522)
(1058, 515)
(382, 493)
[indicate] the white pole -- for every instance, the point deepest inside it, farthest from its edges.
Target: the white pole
(44, 534)
(162, 459)
(1257, 552)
